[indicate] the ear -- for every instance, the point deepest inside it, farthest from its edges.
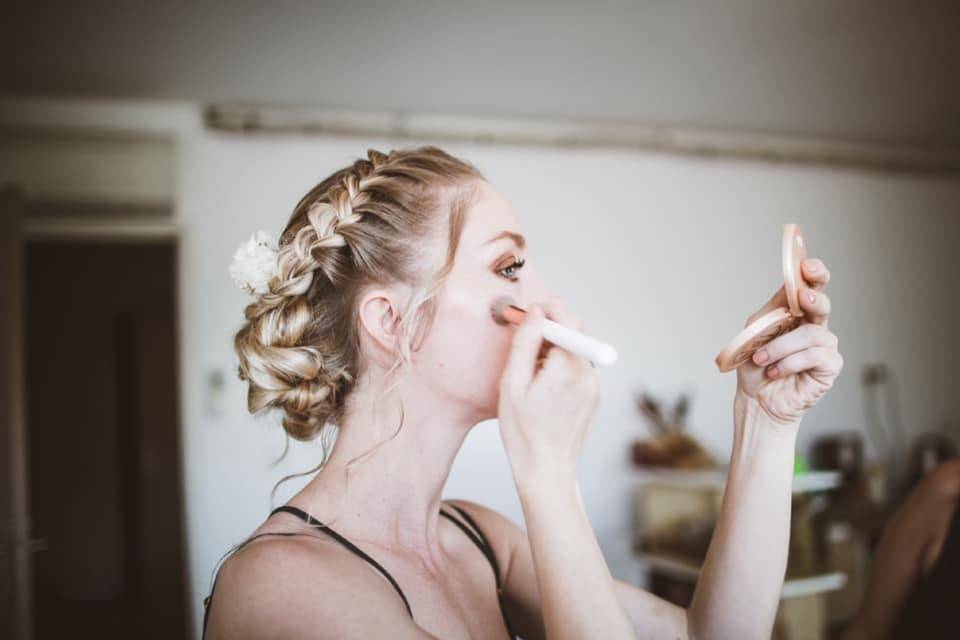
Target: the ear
(380, 322)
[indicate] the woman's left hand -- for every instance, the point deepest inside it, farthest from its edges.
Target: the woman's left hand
(791, 373)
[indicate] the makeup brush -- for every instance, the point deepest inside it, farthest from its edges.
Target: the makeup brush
(505, 311)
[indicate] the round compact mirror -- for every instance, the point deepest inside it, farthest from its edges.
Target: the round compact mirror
(778, 321)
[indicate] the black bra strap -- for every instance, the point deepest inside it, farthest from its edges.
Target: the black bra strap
(480, 540)
(473, 532)
(310, 520)
(476, 536)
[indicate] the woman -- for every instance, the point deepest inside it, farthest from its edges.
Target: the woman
(916, 570)
(378, 321)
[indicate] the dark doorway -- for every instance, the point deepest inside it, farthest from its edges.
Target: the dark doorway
(102, 439)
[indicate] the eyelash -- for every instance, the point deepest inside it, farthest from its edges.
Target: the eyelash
(517, 264)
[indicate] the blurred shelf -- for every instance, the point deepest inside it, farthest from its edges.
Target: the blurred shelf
(807, 482)
(792, 588)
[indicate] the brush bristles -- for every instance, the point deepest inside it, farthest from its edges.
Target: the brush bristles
(498, 307)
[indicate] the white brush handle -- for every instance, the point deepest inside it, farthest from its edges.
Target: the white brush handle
(579, 344)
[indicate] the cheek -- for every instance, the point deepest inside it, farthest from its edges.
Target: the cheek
(466, 350)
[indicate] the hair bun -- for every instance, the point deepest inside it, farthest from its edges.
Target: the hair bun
(307, 407)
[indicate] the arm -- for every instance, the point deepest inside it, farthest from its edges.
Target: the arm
(895, 572)
(908, 549)
(738, 592)
(545, 412)
(739, 588)
(579, 597)
(650, 616)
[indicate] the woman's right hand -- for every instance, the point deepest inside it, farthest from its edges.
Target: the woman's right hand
(548, 398)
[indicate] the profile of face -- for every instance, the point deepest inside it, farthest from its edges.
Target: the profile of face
(464, 354)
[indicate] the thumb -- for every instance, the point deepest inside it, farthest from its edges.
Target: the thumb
(523, 351)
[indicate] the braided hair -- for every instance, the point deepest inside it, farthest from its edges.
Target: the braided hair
(299, 348)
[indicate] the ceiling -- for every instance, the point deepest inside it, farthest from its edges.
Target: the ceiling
(875, 71)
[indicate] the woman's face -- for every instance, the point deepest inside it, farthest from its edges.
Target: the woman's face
(464, 353)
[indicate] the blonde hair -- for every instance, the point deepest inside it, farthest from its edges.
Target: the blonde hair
(299, 348)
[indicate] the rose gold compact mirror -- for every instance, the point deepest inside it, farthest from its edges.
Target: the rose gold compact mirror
(778, 321)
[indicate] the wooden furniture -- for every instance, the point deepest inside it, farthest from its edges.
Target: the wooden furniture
(674, 516)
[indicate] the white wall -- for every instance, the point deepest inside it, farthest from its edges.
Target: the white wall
(663, 256)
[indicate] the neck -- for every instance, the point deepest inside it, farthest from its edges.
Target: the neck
(383, 482)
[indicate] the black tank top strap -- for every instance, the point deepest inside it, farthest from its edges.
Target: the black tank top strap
(310, 520)
(471, 529)
(476, 536)
(321, 527)
(475, 533)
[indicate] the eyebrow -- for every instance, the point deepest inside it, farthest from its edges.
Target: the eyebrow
(516, 237)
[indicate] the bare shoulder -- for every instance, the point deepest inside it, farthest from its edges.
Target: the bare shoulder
(520, 589)
(490, 521)
(917, 528)
(300, 587)
(503, 533)
(943, 483)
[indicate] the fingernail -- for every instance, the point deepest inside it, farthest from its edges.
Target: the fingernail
(761, 356)
(813, 268)
(773, 372)
(812, 297)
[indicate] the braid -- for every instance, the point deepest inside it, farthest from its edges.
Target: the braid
(328, 218)
(299, 347)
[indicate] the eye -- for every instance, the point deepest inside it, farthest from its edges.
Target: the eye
(511, 270)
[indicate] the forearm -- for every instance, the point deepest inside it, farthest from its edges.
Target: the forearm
(739, 587)
(577, 592)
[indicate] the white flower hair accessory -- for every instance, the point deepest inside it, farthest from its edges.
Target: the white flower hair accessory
(255, 263)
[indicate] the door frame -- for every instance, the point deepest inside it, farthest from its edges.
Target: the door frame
(17, 581)
(17, 227)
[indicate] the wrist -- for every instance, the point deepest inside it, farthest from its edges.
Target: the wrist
(541, 477)
(749, 413)
(757, 436)
(763, 448)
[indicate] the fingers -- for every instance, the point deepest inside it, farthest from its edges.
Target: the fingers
(557, 358)
(556, 363)
(815, 304)
(816, 275)
(801, 338)
(815, 272)
(816, 360)
(569, 375)
(523, 351)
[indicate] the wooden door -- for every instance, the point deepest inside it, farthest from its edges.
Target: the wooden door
(103, 439)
